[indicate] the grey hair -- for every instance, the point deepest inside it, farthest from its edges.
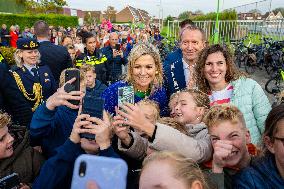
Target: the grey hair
(19, 61)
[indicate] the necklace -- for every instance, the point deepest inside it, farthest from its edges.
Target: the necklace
(143, 94)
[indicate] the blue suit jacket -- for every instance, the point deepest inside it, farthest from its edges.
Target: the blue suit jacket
(173, 72)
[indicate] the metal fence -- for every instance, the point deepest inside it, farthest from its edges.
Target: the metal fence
(229, 30)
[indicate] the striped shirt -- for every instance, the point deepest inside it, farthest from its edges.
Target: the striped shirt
(221, 97)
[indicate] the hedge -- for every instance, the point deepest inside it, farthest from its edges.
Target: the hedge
(24, 20)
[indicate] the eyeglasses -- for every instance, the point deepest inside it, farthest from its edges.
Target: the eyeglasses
(278, 138)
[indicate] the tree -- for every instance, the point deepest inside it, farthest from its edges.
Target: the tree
(44, 6)
(198, 12)
(168, 18)
(110, 13)
(279, 9)
(184, 15)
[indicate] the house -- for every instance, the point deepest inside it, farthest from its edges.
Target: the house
(249, 16)
(131, 14)
(272, 16)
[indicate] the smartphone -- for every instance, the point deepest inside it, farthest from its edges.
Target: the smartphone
(125, 95)
(124, 40)
(94, 106)
(117, 47)
(10, 182)
(106, 172)
(75, 86)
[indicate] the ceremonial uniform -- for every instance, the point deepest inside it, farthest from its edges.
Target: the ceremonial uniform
(35, 82)
(11, 99)
(44, 78)
(95, 59)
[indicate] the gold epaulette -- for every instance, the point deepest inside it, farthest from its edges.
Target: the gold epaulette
(37, 91)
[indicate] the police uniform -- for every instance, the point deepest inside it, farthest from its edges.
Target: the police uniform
(97, 60)
(35, 82)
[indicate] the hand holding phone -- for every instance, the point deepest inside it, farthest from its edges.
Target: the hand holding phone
(117, 47)
(125, 95)
(94, 107)
(75, 85)
(105, 172)
(62, 98)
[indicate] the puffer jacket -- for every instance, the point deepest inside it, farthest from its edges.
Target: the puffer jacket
(262, 173)
(250, 98)
(195, 144)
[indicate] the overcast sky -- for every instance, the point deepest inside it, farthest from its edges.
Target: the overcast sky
(173, 7)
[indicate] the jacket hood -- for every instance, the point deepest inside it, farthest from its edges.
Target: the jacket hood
(194, 129)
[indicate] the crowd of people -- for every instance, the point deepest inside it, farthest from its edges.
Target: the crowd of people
(197, 121)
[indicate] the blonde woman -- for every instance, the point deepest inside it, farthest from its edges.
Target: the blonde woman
(35, 81)
(145, 74)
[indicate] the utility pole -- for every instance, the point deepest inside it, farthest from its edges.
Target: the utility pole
(216, 32)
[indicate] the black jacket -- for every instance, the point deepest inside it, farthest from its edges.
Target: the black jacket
(56, 57)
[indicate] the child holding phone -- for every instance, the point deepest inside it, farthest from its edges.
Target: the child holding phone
(190, 109)
(53, 121)
(57, 170)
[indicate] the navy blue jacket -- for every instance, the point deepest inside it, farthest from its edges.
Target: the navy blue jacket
(114, 64)
(97, 90)
(57, 171)
(262, 173)
(173, 72)
(11, 99)
(50, 129)
(46, 80)
(56, 57)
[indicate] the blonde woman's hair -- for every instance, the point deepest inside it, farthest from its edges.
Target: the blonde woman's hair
(62, 76)
(19, 61)
(142, 49)
(184, 168)
(154, 105)
(5, 119)
(224, 112)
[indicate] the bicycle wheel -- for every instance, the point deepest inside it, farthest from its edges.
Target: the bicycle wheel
(250, 67)
(274, 85)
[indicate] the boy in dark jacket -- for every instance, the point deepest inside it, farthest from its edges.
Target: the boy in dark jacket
(95, 88)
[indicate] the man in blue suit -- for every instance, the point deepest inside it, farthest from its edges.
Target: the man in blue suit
(54, 56)
(179, 65)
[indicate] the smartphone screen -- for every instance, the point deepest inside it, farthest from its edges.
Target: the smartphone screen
(75, 86)
(117, 47)
(125, 95)
(93, 106)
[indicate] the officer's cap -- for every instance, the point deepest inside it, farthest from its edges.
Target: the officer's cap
(27, 44)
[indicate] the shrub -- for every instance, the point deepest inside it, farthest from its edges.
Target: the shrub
(24, 20)
(8, 53)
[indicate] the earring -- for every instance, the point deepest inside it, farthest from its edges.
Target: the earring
(156, 72)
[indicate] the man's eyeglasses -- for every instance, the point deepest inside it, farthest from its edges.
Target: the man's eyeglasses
(278, 138)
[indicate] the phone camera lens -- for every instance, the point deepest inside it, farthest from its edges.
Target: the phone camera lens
(82, 169)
